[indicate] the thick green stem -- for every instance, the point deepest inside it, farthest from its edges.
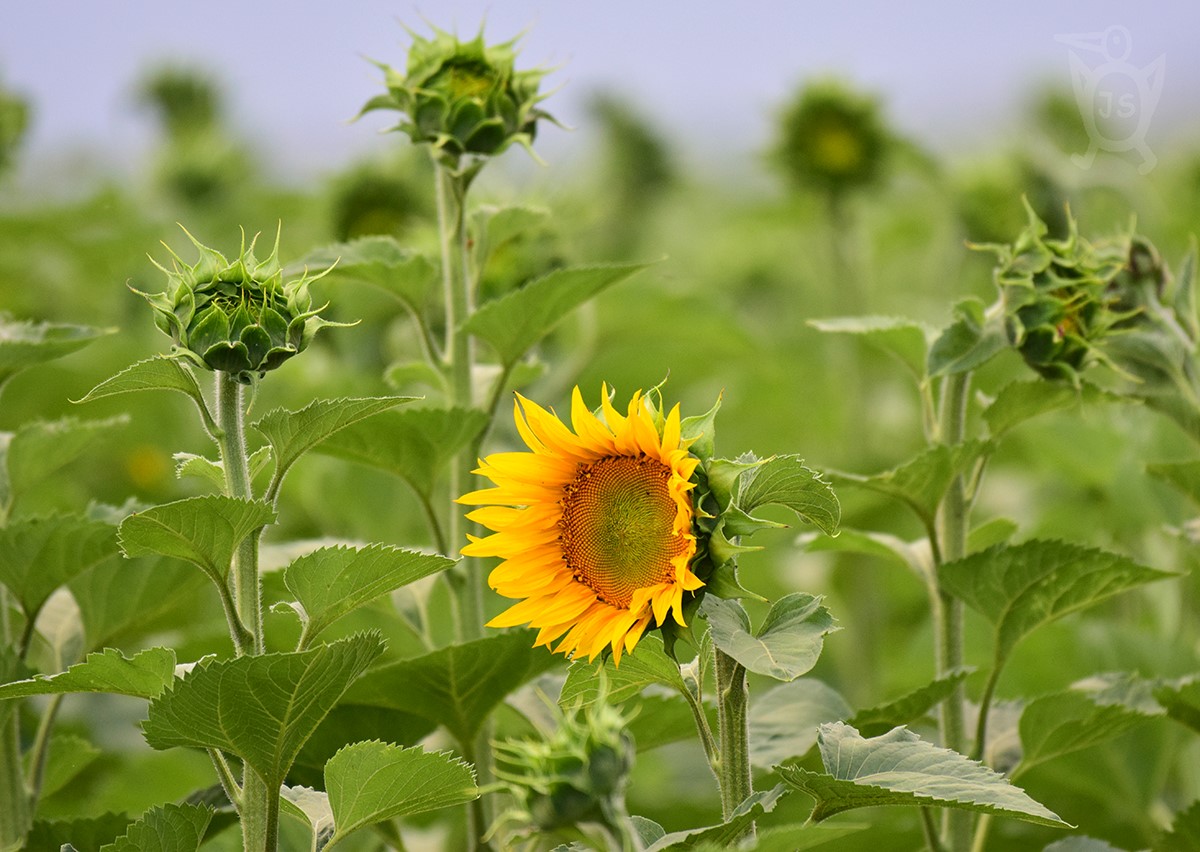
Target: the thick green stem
(15, 816)
(733, 735)
(246, 585)
(952, 541)
(260, 815)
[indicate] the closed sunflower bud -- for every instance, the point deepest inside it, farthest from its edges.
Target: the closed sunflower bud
(239, 317)
(463, 98)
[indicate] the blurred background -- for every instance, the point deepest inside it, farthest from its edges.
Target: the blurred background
(789, 161)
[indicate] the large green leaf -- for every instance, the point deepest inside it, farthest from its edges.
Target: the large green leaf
(373, 781)
(785, 481)
(120, 600)
(262, 708)
(898, 768)
(382, 262)
(903, 339)
(145, 675)
(415, 444)
(1019, 401)
(1021, 587)
(457, 686)
(162, 372)
(1083, 716)
(969, 342)
(86, 834)
(727, 834)
(787, 644)
(352, 723)
(517, 321)
(494, 227)
(784, 720)
(1183, 475)
(333, 581)
(293, 433)
(205, 531)
(67, 756)
(1184, 835)
(1181, 700)
(1081, 843)
(922, 481)
(167, 828)
(40, 449)
(648, 664)
(908, 708)
(25, 344)
(38, 555)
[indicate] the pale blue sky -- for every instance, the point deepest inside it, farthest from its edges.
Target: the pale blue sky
(712, 74)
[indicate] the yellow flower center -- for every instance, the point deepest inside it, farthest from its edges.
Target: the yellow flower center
(617, 527)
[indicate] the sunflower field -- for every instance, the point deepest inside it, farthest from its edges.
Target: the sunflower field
(427, 506)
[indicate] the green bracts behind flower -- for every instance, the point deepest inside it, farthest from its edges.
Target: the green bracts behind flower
(238, 317)
(463, 98)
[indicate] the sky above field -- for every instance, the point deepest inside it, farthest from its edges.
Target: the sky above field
(711, 76)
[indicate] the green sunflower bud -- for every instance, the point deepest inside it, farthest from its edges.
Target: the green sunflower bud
(577, 774)
(832, 139)
(463, 99)
(239, 317)
(1058, 297)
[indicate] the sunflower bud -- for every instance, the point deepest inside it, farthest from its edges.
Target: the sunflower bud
(239, 316)
(1058, 297)
(577, 774)
(832, 139)
(463, 98)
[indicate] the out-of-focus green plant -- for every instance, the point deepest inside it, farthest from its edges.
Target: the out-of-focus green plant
(14, 121)
(378, 197)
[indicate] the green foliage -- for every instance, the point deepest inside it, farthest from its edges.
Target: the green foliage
(903, 339)
(380, 262)
(784, 720)
(27, 344)
(169, 828)
(145, 675)
(730, 830)
(648, 665)
(84, 834)
(898, 768)
(908, 708)
(39, 450)
(786, 645)
(38, 555)
(372, 781)
(162, 372)
(1184, 834)
(260, 708)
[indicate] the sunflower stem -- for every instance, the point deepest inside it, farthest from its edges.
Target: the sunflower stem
(260, 805)
(953, 517)
(734, 735)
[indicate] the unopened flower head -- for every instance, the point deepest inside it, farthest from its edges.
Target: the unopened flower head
(832, 139)
(463, 98)
(236, 316)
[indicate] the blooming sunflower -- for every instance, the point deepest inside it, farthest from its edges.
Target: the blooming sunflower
(594, 526)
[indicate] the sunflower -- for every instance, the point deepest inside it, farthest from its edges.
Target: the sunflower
(594, 526)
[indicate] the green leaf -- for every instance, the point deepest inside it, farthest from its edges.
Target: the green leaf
(785, 481)
(969, 342)
(659, 720)
(785, 647)
(1083, 716)
(496, 226)
(381, 262)
(86, 834)
(333, 581)
(882, 545)
(162, 372)
(293, 433)
(1024, 586)
(784, 721)
(908, 708)
(906, 340)
(1185, 476)
(1019, 401)
(312, 806)
(922, 481)
(727, 834)
(1181, 700)
(1080, 843)
(514, 323)
(990, 533)
(415, 444)
(145, 675)
(38, 555)
(67, 756)
(350, 723)
(261, 708)
(207, 470)
(898, 768)
(1184, 835)
(121, 599)
(167, 828)
(26, 344)
(457, 686)
(202, 530)
(371, 782)
(648, 664)
(40, 449)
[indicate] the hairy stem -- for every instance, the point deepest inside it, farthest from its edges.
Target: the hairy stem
(246, 585)
(733, 734)
(15, 815)
(952, 539)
